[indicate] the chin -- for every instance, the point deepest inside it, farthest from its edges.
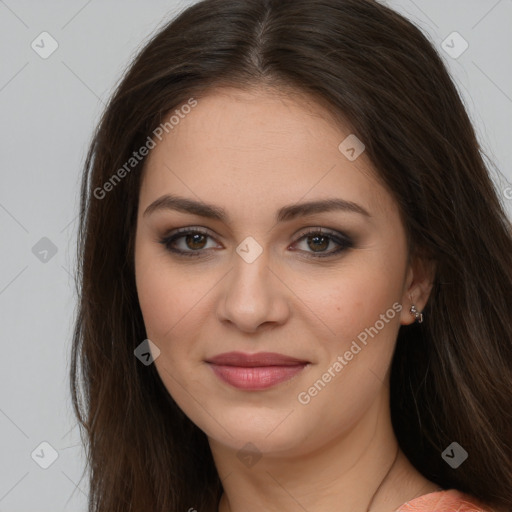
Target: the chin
(270, 431)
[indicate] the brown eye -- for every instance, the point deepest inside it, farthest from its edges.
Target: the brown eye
(195, 241)
(187, 242)
(319, 240)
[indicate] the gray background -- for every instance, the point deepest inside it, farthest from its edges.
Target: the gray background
(49, 109)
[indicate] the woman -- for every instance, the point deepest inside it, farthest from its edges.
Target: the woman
(294, 273)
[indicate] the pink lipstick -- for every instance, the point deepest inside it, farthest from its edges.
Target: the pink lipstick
(255, 371)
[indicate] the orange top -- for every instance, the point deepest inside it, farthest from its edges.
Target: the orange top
(450, 500)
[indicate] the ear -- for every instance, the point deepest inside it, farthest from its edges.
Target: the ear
(418, 285)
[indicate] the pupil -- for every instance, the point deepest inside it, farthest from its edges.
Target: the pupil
(316, 238)
(195, 239)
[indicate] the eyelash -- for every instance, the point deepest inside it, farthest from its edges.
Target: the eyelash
(340, 238)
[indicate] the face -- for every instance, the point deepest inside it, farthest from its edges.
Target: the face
(261, 272)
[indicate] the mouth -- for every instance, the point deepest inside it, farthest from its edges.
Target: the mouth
(255, 371)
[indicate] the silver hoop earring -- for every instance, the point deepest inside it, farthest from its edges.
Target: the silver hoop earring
(416, 314)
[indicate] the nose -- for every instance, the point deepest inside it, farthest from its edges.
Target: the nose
(253, 296)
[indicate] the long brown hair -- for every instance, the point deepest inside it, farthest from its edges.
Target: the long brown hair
(451, 377)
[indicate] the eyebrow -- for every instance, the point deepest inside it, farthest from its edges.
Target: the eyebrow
(286, 213)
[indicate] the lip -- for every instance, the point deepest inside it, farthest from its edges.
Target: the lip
(255, 371)
(251, 360)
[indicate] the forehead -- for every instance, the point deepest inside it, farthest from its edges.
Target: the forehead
(258, 148)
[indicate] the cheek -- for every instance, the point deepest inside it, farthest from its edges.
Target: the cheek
(172, 299)
(354, 298)
(155, 298)
(363, 310)
(166, 294)
(167, 300)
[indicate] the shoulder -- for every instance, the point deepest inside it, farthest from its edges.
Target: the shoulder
(450, 500)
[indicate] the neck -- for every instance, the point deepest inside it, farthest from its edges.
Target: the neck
(361, 470)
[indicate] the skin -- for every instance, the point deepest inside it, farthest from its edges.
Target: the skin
(251, 152)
